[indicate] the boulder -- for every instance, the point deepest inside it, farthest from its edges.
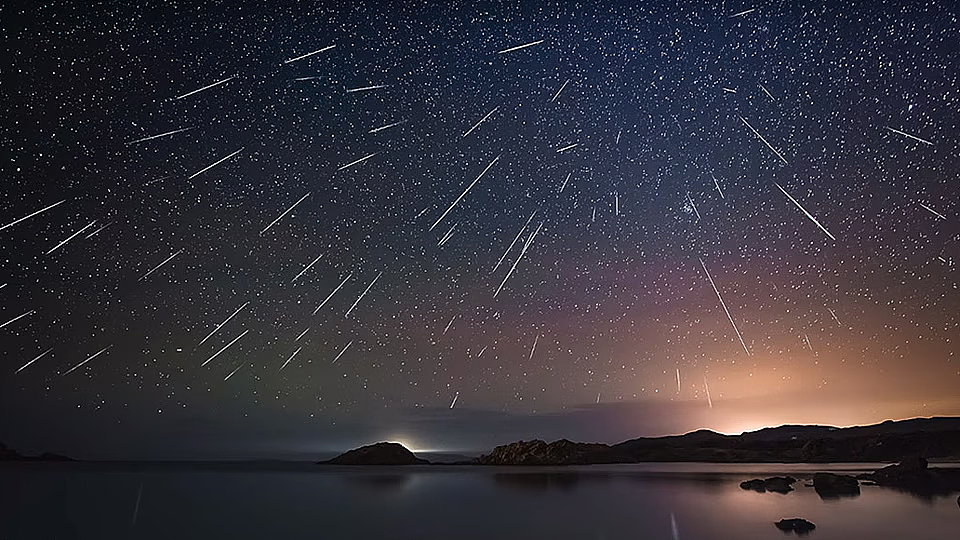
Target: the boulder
(913, 476)
(383, 453)
(756, 485)
(777, 484)
(797, 525)
(832, 486)
(905, 470)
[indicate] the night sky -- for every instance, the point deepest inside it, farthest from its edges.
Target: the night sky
(463, 223)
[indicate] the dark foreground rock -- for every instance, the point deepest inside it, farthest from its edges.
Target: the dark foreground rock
(914, 476)
(797, 525)
(384, 453)
(833, 486)
(776, 484)
(906, 470)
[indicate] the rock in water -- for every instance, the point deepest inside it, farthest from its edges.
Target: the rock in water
(383, 453)
(907, 469)
(777, 484)
(914, 476)
(832, 486)
(797, 525)
(756, 485)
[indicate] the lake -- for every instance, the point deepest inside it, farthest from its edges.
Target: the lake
(276, 500)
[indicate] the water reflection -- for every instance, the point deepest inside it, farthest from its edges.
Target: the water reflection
(379, 482)
(532, 481)
(834, 496)
(88, 501)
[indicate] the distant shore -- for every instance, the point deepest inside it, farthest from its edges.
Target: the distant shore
(936, 439)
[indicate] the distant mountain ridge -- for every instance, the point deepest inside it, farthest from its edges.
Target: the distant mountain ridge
(887, 441)
(8, 454)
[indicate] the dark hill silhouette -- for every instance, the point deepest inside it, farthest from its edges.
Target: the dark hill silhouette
(8, 454)
(888, 441)
(383, 453)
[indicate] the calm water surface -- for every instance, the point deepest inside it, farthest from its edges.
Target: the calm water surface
(96, 501)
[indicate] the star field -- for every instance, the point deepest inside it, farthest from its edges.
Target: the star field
(523, 230)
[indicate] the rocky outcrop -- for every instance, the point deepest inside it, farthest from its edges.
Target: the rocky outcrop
(537, 452)
(776, 484)
(889, 441)
(904, 471)
(834, 486)
(797, 525)
(383, 453)
(913, 475)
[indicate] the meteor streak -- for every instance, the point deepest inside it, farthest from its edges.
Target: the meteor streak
(221, 325)
(225, 347)
(28, 216)
(342, 283)
(302, 56)
(464, 193)
(89, 358)
(364, 293)
(209, 86)
(518, 47)
(285, 212)
(212, 165)
(804, 210)
(725, 310)
(157, 267)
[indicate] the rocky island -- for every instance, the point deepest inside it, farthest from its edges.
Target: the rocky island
(382, 453)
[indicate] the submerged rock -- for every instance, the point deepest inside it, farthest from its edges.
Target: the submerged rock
(383, 453)
(797, 525)
(777, 484)
(829, 485)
